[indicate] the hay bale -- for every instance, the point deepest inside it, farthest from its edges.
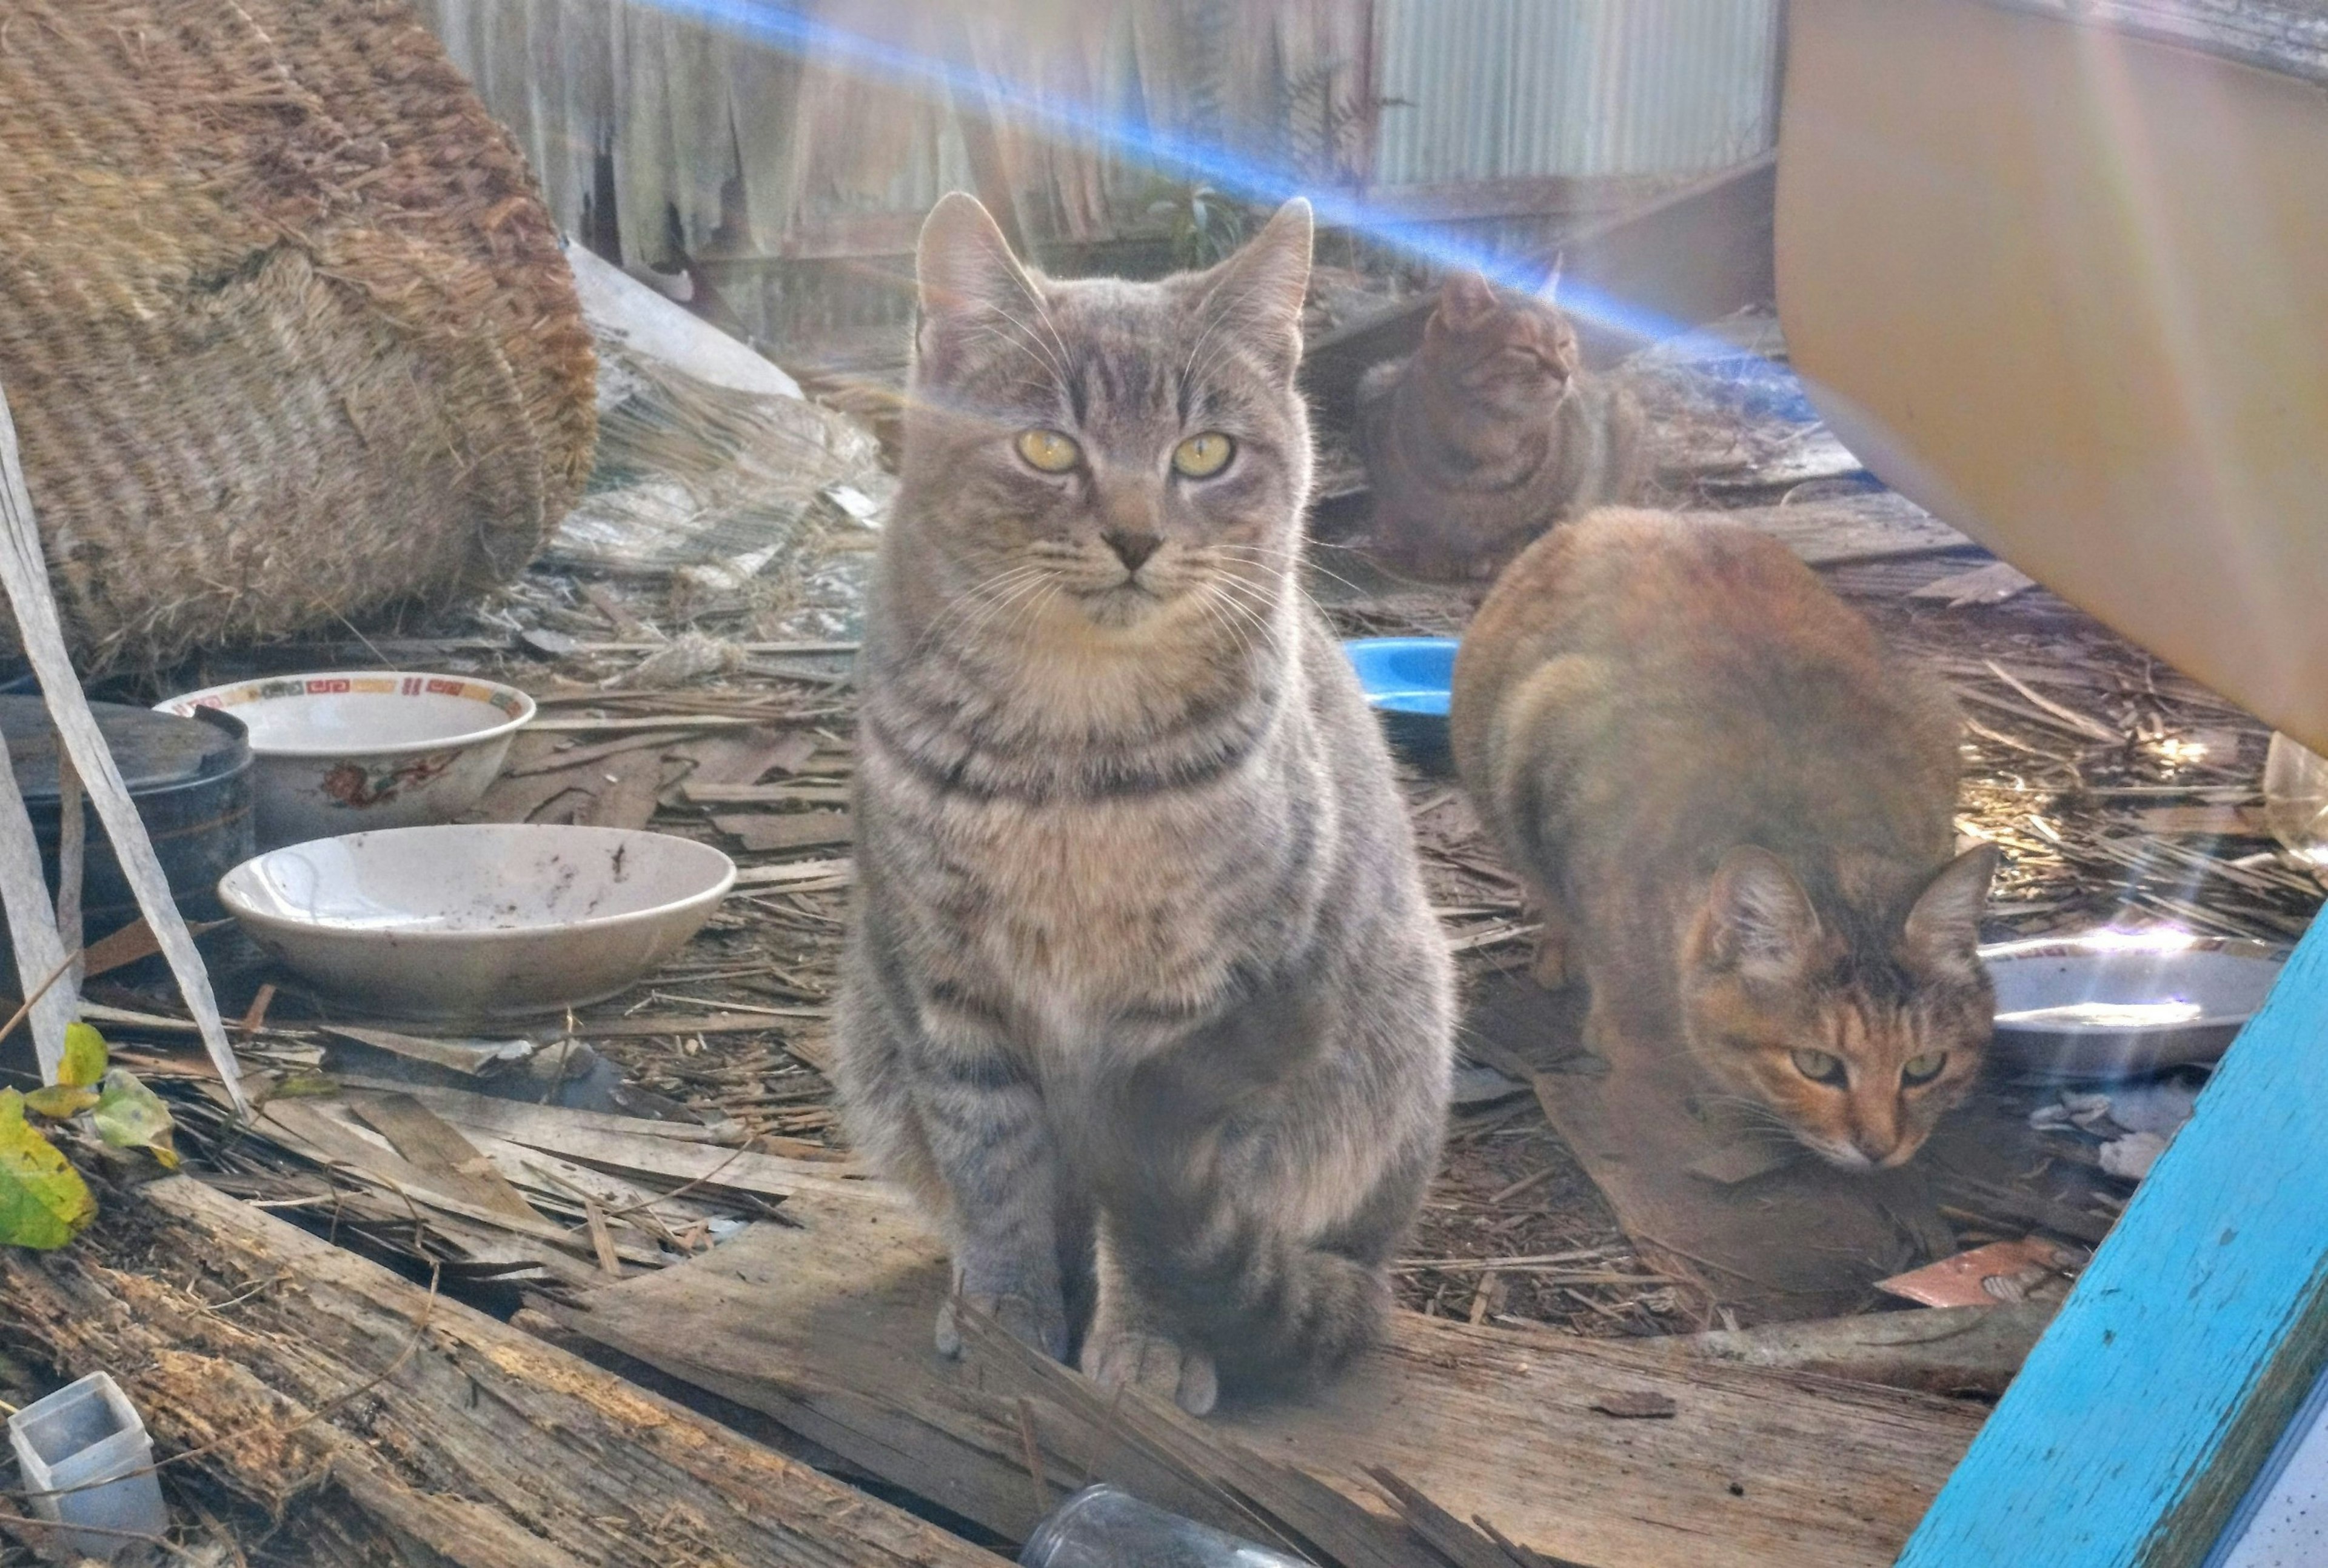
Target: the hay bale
(284, 323)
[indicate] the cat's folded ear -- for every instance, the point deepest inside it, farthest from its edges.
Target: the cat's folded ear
(1758, 921)
(1257, 293)
(1943, 925)
(967, 278)
(1466, 299)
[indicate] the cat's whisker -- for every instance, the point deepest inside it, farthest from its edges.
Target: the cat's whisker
(1300, 557)
(1263, 611)
(1235, 634)
(1291, 578)
(1255, 630)
(971, 613)
(949, 616)
(982, 591)
(1018, 599)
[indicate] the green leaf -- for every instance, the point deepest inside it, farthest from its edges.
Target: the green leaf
(84, 1062)
(59, 1101)
(129, 1115)
(44, 1201)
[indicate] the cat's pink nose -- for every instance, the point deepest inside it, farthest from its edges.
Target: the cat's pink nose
(1131, 549)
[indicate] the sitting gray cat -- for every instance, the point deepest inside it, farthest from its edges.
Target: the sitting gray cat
(1143, 1001)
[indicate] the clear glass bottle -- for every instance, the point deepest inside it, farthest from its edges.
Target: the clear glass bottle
(1105, 1526)
(2295, 802)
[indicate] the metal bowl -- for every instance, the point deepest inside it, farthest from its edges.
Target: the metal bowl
(2117, 1004)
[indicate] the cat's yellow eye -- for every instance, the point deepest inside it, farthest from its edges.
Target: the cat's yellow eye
(1819, 1067)
(1202, 457)
(1050, 451)
(1923, 1069)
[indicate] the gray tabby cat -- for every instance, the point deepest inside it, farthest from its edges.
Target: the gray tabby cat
(1489, 434)
(1143, 999)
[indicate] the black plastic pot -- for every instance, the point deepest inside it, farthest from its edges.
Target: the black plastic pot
(190, 779)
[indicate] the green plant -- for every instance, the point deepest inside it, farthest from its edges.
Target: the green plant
(1205, 225)
(44, 1202)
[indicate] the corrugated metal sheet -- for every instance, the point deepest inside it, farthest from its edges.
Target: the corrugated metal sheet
(750, 144)
(1514, 88)
(767, 139)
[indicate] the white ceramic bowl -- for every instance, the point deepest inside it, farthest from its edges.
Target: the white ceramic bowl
(2113, 1004)
(345, 751)
(477, 921)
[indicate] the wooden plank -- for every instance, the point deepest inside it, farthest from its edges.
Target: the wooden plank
(768, 833)
(827, 1327)
(435, 1146)
(473, 1444)
(322, 1131)
(798, 876)
(1875, 525)
(1940, 1349)
(760, 794)
(1988, 584)
(650, 1024)
(689, 723)
(602, 1141)
(2146, 1411)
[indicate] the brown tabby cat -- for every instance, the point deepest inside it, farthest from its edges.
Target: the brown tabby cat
(1737, 815)
(1143, 999)
(1489, 434)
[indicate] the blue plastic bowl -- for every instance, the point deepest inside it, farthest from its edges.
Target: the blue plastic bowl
(1409, 682)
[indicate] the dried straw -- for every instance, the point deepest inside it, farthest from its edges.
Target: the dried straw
(285, 326)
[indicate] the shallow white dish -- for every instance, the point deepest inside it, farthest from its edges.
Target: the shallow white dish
(474, 921)
(344, 751)
(2115, 1004)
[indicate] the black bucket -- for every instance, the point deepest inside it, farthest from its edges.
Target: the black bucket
(190, 779)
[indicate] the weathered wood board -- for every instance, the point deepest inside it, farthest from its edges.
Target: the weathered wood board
(1877, 525)
(828, 1328)
(381, 1422)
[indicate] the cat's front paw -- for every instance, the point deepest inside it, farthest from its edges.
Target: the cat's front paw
(1133, 1359)
(1041, 1323)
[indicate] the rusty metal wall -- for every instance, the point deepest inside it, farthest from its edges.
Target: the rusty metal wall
(1519, 89)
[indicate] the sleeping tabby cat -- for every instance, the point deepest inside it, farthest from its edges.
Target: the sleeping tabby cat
(1489, 435)
(1737, 815)
(1143, 999)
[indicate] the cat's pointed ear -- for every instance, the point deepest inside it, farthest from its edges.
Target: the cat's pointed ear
(1258, 292)
(1466, 299)
(1757, 921)
(1943, 927)
(967, 278)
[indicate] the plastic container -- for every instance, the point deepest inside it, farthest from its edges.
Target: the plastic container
(1409, 683)
(89, 1433)
(190, 780)
(1105, 1526)
(2295, 802)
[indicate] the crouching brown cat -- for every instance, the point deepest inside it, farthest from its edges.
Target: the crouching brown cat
(1489, 434)
(1737, 813)
(1143, 999)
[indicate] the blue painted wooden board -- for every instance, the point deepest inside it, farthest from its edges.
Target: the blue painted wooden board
(2142, 1417)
